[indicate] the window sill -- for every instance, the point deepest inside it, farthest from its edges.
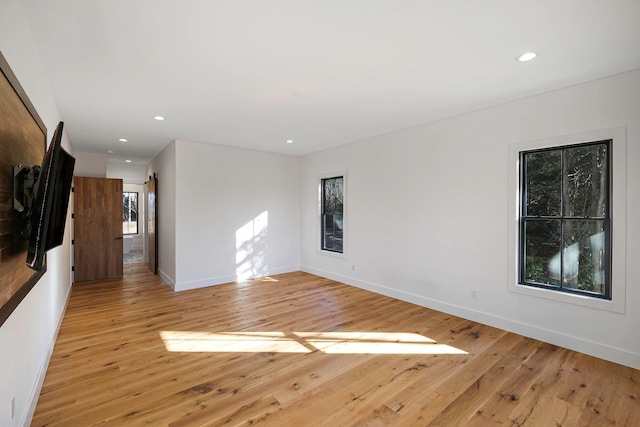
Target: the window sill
(332, 254)
(583, 300)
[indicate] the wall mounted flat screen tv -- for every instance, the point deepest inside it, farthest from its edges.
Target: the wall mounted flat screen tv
(49, 211)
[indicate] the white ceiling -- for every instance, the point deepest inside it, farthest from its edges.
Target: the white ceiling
(254, 73)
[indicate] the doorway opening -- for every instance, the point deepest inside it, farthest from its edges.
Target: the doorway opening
(133, 225)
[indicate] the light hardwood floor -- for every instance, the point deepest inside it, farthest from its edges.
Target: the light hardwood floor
(132, 352)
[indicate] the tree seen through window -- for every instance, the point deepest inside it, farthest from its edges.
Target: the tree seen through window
(130, 212)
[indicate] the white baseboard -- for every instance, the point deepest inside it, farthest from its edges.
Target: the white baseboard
(166, 279)
(213, 281)
(581, 345)
(42, 372)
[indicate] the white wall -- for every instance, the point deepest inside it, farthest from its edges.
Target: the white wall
(28, 335)
(236, 214)
(427, 215)
(98, 165)
(129, 173)
(92, 165)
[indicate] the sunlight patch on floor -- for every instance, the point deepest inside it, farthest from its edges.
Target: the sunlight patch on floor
(304, 342)
(232, 342)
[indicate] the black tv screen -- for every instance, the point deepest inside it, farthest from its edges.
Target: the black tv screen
(49, 213)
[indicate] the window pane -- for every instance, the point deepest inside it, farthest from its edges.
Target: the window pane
(584, 262)
(125, 206)
(332, 210)
(130, 213)
(542, 251)
(332, 202)
(586, 181)
(543, 172)
(332, 238)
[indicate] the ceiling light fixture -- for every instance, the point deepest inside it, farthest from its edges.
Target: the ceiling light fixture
(128, 161)
(123, 140)
(289, 141)
(526, 57)
(159, 118)
(110, 151)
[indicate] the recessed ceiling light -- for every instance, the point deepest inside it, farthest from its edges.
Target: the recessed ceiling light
(123, 140)
(159, 118)
(289, 141)
(128, 161)
(527, 56)
(110, 151)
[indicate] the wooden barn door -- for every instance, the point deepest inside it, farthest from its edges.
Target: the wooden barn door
(152, 223)
(97, 228)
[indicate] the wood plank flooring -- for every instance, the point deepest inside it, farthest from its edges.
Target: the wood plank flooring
(301, 350)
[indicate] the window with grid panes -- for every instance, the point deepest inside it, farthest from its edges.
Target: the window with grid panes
(332, 214)
(565, 239)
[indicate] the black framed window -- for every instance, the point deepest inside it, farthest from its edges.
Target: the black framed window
(565, 237)
(129, 212)
(332, 214)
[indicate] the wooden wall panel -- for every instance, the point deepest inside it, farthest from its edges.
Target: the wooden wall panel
(22, 141)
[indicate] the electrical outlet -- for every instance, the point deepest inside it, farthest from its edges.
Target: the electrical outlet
(353, 268)
(474, 295)
(13, 408)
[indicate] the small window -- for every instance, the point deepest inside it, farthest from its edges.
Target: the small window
(130, 212)
(565, 236)
(332, 214)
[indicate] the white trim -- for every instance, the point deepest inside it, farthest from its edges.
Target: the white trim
(221, 280)
(42, 372)
(166, 279)
(614, 354)
(345, 227)
(618, 218)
